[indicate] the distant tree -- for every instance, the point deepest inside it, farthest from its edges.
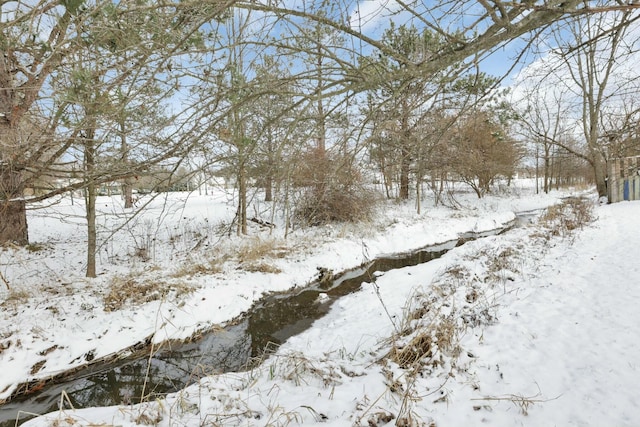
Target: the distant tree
(431, 153)
(85, 98)
(483, 151)
(621, 128)
(275, 122)
(315, 48)
(397, 108)
(226, 94)
(543, 120)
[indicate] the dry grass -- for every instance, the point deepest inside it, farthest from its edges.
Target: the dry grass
(520, 401)
(439, 336)
(437, 316)
(15, 298)
(261, 267)
(149, 416)
(503, 265)
(127, 290)
(257, 249)
(191, 268)
(252, 255)
(428, 341)
(572, 214)
(35, 247)
(420, 347)
(295, 367)
(458, 272)
(503, 259)
(426, 333)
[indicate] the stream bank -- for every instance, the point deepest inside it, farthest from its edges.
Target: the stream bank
(270, 322)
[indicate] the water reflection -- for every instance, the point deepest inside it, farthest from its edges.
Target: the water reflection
(169, 370)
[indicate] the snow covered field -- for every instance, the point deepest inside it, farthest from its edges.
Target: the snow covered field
(526, 328)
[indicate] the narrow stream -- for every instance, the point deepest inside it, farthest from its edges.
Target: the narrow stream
(270, 322)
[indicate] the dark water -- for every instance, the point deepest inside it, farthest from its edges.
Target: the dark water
(269, 323)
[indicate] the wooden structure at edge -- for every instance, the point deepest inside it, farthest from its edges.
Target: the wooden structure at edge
(623, 179)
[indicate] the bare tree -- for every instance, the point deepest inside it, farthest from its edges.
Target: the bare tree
(620, 128)
(592, 64)
(275, 123)
(470, 31)
(544, 121)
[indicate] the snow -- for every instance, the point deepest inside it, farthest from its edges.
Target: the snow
(545, 321)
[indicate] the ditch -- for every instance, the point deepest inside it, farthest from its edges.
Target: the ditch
(269, 323)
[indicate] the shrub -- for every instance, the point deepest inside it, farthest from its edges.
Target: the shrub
(333, 190)
(572, 214)
(335, 203)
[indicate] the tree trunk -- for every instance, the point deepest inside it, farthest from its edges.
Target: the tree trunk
(547, 169)
(90, 199)
(268, 188)
(13, 211)
(13, 225)
(242, 200)
(388, 183)
(418, 199)
(600, 174)
(127, 193)
(405, 152)
(537, 171)
(16, 99)
(386, 177)
(127, 187)
(321, 173)
(478, 192)
(405, 164)
(91, 229)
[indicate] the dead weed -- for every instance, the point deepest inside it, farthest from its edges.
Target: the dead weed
(15, 299)
(295, 367)
(190, 268)
(440, 336)
(128, 290)
(572, 214)
(258, 249)
(261, 267)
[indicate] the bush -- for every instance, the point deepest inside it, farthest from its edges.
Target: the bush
(335, 203)
(333, 190)
(572, 214)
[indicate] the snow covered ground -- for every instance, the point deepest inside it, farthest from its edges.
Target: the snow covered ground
(533, 327)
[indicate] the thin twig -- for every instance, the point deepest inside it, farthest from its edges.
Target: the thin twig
(377, 289)
(64, 396)
(6, 282)
(520, 401)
